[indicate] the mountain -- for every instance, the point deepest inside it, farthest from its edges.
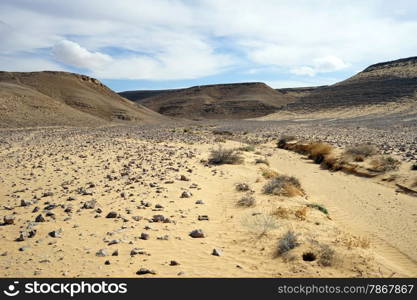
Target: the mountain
(380, 83)
(52, 98)
(218, 101)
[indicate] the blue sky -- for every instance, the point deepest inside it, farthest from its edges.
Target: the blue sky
(161, 44)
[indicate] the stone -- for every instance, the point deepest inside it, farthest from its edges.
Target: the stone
(25, 203)
(144, 236)
(197, 233)
(144, 271)
(203, 218)
(186, 194)
(112, 215)
(9, 219)
(216, 252)
(56, 233)
(89, 204)
(102, 253)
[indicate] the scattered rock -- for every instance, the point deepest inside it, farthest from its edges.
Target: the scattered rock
(197, 233)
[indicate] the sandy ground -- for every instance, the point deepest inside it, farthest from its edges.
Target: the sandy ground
(370, 230)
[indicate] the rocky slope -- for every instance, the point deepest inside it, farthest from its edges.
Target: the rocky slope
(59, 98)
(219, 101)
(378, 84)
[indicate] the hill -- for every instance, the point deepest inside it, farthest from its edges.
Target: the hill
(380, 83)
(218, 101)
(52, 98)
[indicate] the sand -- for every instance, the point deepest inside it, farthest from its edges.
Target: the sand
(370, 228)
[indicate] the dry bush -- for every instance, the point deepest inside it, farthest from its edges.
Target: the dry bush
(260, 224)
(301, 213)
(284, 139)
(242, 187)
(283, 185)
(262, 161)
(326, 256)
(268, 173)
(219, 140)
(385, 164)
(281, 212)
(222, 132)
(332, 162)
(222, 156)
(246, 201)
(318, 151)
(288, 242)
(361, 151)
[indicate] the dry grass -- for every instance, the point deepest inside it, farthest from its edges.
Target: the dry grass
(284, 186)
(262, 161)
(318, 151)
(385, 164)
(326, 256)
(284, 139)
(222, 156)
(268, 173)
(361, 151)
(301, 213)
(242, 187)
(246, 201)
(288, 242)
(281, 212)
(248, 148)
(352, 242)
(260, 223)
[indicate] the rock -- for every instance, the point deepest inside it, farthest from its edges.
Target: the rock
(115, 253)
(158, 218)
(197, 233)
(89, 204)
(136, 251)
(47, 194)
(174, 263)
(24, 248)
(40, 219)
(107, 262)
(56, 233)
(9, 219)
(203, 218)
(184, 178)
(112, 215)
(216, 252)
(186, 194)
(158, 206)
(113, 242)
(144, 271)
(102, 253)
(25, 203)
(199, 202)
(144, 236)
(71, 199)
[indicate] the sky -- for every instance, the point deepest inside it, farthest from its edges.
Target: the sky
(160, 44)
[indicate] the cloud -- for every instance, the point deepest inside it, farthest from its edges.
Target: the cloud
(178, 39)
(73, 54)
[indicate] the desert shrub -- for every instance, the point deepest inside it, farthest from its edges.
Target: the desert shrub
(262, 161)
(362, 150)
(284, 139)
(260, 224)
(281, 212)
(326, 256)
(283, 185)
(319, 207)
(318, 151)
(351, 242)
(222, 156)
(287, 242)
(301, 213)
(219, 140)
(247, 201)
(414, 167)
(332, 162)
(248, 148)
(242, 187)
(385, 164)
(268, 173)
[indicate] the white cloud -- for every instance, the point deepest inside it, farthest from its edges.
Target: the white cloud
(73, 54)
(174, 39)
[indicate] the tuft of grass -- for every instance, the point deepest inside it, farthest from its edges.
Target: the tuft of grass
(262, 161)
(361, 150)
(242, 187)
(287, 242)
(319, 207)
(268, 173)
(385, 164)
(283, 185)
(222, 156)
(260, 224)
(246, 201)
